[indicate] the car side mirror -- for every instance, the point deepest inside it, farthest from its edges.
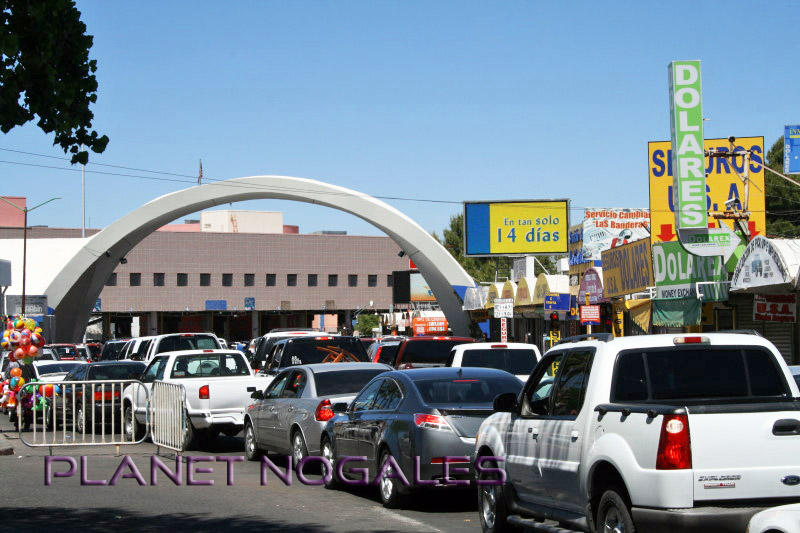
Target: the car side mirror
(257, 395)
(340, 408)
(539, 406)
(251, 389)
(505, 403)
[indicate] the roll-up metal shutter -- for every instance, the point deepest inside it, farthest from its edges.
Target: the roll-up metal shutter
(781, 334)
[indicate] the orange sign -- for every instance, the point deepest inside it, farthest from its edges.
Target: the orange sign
(429, 325)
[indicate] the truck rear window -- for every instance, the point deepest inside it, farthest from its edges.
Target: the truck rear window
(187, 342)
(512, 361)
(697, 373)
(209, 365)
(428, 352)
(334, 349)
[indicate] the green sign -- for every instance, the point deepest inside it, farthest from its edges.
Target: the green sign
(677, 273)
(688, 156)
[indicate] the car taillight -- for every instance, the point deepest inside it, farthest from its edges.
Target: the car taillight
(407, 366)
(674, 446)
(204, 393)
(105, 395)
(324, 411)
(377, 354)
(432, 422)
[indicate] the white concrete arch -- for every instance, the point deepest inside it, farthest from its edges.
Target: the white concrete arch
(73, 292)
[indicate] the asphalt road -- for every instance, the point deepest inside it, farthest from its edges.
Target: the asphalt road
(27, 504)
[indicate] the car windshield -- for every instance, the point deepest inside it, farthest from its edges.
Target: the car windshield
(323, 350)
(121, 371)
(346, 382)
(65, 351)
(187, 342)
(428, 351)
(111, 350)
(519, 361)
(473, 391)
(694, 373)
(56, 368)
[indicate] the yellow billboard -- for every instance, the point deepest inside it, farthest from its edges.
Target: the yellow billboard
(627, 269)
(722, 184)
(516, 227)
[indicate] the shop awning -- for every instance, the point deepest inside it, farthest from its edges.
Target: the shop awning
(525, 289)
(495, 291)
(678, 312)
(475, 298)
(509, 290)
(640, 311)
(768, 266)
(549, 283)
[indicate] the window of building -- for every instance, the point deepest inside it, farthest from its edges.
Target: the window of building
(352, 280)
(312, 280)
(112, 280)
(271, 280)
(249, 280)
(227, 280)
(158, 279)
(389, 280)
(182, 280)
(136, 279)
(333, 280)
(291, 280)
(372, 280)
(205, 280)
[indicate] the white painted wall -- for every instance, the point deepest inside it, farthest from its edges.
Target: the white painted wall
(246, 221)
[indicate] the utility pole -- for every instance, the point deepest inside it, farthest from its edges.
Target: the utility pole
(83, 199)
(25, 241)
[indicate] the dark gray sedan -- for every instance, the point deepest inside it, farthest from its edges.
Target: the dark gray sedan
(289, 415)
(420, 418)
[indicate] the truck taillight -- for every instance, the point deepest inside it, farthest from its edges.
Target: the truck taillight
(691, 340)
(105, 395)
(204, 393)
(674, 446)
(324, 411)
(377, 357)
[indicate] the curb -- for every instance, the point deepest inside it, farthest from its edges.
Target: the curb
(5, 446)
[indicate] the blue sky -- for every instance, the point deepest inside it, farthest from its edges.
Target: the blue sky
(436, 100)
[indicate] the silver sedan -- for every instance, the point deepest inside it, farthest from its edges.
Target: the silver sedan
(290, 414)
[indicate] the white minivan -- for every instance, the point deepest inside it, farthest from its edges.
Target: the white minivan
(516, 358)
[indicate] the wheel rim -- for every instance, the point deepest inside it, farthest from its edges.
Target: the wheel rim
(129, 424)
(298, 447)
(250, 441)
(488, 504)
(327, 451)
(81, 421)
(387, 483)
(613, 523)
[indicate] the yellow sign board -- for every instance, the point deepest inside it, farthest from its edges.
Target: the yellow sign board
(627, 269)
(722, 184)
(516, 227)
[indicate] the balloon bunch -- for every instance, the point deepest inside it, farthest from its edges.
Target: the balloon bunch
(23, 339)
(11, 387)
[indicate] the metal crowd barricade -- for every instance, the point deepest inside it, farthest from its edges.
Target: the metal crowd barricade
(168, 421)
(78, 413)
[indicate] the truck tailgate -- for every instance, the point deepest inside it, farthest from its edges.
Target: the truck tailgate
(746, 455)
(229, 395)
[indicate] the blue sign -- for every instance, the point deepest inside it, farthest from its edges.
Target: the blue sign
(791, 150)
(573, 308)
(216, 305)
(98, 305)
(556, 302)
(249, 303)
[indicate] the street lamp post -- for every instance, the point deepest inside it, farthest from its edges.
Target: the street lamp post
(26, 210)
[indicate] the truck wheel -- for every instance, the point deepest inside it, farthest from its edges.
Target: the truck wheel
(191, 434)
(251, 449)
(492, 503)
(133, 432)
(614, 514)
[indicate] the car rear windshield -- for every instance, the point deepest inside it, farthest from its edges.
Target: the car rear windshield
(697, 373)
(56, 368)
(334, 349)
(65, 351)
(387, 352)
(473, 391)
(346, 382)
(428, 351)
(210, 365)
(187, 342)
(111, 350)
(129, 371)
(512, 361)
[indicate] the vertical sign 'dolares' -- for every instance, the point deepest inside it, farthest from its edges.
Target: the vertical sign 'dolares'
(686, 120)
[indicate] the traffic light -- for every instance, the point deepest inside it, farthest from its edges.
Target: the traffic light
(554, 316)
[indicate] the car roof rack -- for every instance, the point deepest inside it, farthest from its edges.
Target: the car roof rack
(739, 331)
(602, 337)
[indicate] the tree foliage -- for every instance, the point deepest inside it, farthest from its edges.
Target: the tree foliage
(366, 322)
(782, 198)
(45, 72)
(482, 269)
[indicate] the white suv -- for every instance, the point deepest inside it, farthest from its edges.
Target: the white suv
(514, 357)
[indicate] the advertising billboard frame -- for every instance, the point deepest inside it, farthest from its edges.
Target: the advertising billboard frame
(484, 219)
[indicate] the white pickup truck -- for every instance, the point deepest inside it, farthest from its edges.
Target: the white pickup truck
(689, 432)
(218, 386)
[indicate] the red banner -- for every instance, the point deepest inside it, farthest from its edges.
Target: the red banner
(775, 307)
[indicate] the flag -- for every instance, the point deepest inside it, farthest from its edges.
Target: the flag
(200, 176)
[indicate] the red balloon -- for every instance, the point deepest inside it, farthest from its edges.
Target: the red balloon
(24, 342)
(46, 390)
(16, 372)
(19, 353)
(33, 351)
